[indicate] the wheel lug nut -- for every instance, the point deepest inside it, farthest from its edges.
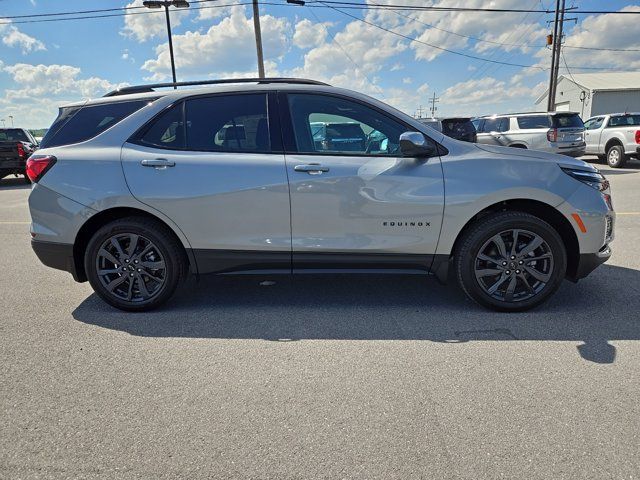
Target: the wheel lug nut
(126, 260)
(139, 270)
(520, 262)
(508, 272)
(517, 271)
(513, 257)
(131, 274)
(135, 261)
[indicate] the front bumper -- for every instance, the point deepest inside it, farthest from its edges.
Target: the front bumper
(588, 262)
(58, 256)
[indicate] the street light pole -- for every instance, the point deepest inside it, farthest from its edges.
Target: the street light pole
(166, 4)
(11, 118)
(256, 27)
(173, 62)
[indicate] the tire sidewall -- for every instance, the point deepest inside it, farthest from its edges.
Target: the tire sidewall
(159, 238)
(492, 226)
(621, 158)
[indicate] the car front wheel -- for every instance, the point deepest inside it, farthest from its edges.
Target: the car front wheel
(510, 261)
(134, 263)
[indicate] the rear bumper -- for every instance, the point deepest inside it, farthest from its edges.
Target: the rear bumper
(572, 151)
(13, 164)
(588, 262)
(58, 256)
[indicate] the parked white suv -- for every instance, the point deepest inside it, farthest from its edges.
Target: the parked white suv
(555, 132)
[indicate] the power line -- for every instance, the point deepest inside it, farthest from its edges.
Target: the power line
(346, 4)
(412, 39)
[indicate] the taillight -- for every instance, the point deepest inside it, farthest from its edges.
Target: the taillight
(21, 152)
(38, 165)
(552, 135)
(637, 136)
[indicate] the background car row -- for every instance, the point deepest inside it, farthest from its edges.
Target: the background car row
(614, 137)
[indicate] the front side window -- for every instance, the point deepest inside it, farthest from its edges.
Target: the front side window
(228, 123)
(593, 123)
(533, 122)
(325, 124)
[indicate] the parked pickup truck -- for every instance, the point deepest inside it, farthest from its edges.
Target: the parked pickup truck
(614, 137)
(16, 144)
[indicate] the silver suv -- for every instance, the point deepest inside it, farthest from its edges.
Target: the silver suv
(135, 190)
(555, 132)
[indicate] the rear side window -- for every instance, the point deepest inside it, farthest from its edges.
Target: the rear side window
(567, 121)
(624, 121)
(167, 131)
(228, 123)
(78, 124)
(532, 122)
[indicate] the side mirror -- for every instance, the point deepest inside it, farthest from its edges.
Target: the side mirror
(415, 144)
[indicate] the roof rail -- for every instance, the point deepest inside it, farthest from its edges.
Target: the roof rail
(150, 87)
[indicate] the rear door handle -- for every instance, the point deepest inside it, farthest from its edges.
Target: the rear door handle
(159, 163)
(311, 168)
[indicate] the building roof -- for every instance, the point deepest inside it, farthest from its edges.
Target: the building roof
(607, 81)
(601, 81)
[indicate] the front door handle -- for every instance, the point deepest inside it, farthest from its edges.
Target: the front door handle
(311, 168)
(159, 163)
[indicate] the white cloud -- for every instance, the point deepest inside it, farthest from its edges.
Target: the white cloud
(309, 34)
(12, 37)
(42, 88)
(228, 46)
(211, 12)
(127, 56)
(150, 24)
(38, 80)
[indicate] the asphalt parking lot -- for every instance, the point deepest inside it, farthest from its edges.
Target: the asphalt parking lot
(340, 377)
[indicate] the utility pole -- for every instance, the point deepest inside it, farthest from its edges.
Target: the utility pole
(11, 118)
(166, 4)
(419, 112)
(555, 54)
(256, 27)
(433, 108)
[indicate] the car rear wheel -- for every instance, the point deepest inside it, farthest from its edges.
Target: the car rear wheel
(134, 263)
(616, 158)
(510, 261)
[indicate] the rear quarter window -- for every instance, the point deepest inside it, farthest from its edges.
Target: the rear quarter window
(77, 124)
(533, 122)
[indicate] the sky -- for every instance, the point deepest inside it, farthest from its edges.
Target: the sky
(401, 57)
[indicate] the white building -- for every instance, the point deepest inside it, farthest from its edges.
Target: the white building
(592, 94)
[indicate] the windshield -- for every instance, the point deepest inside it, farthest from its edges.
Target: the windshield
(567, 121)
(13, 135)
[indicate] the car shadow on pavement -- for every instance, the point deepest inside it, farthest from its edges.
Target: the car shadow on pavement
(14, 183)
(599, 309)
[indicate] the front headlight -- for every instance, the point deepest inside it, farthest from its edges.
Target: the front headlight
(593, 179)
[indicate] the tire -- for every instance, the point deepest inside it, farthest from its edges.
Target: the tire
(477, 276)
(519, 146)
(27, 180)
(602, 158)
(616, 158)
(138, 279)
